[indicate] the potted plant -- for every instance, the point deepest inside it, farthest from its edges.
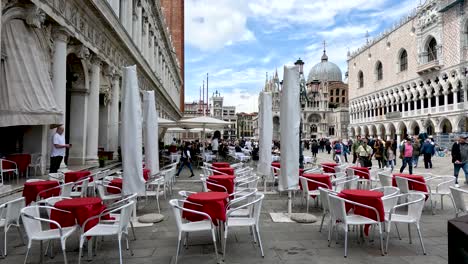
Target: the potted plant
(102, 161)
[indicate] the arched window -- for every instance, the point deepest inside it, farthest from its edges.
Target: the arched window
(404, 61)
(343, 92)
(361, 79)
(432, 50)
(313, 129)
(379, 71)
(331, 92)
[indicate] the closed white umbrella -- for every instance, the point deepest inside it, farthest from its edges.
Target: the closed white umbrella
(265, 122)
(150, 118)
(131, 134)
(202, 122)
(289, 129)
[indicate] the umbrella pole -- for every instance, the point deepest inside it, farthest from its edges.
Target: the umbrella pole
(289, 203)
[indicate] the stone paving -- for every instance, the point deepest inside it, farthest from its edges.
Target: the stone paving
(283, 242)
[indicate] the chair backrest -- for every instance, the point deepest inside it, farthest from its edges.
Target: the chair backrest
(441, 184)
(337, 208)
(36, 159)
(385, 178)
(459, 196)
(125, 215)
(66, 189)
(257, 206)
(304, 184)
(52, 200)
(346, 183)
(31, 226)
(58, 176)
(184, 194)
(83, 185)
(176, 209)
(13, 210)
(101, 189)
(415, 209)
(324, 197)
(402, 184)
(387, 190)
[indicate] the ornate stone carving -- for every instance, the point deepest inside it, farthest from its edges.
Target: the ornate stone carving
(428, 14)
(60, 33)
(35, 17)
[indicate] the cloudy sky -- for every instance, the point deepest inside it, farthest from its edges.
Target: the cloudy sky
(238, 41)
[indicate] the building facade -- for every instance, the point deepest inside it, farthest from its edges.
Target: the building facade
(75, 52)
(226, 113)
(412, 78)
(325, 114)
(245, 124)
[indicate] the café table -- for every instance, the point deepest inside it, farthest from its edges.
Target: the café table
(80, 210)
(117, 182)
(146, 174)
(366, 197)
(32, 189)
(361, 172)
(225, 180)
(22, 161)
(412, 185)
(276, 165)
(221, 164)
(329, 167)
(323, 178)
(211, 203)
(73, 176)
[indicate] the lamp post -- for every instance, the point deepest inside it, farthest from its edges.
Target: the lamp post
(303, 100)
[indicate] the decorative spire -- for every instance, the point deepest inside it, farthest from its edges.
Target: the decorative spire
(266, 82)
(324, 56)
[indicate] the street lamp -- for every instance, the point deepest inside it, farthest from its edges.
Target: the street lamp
(303, 101)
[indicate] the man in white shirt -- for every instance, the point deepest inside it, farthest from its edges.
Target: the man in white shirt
(58, 150)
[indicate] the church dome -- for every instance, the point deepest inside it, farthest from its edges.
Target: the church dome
(325, 71)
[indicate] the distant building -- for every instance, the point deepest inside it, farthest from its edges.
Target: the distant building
(226, 113)
(245, 124)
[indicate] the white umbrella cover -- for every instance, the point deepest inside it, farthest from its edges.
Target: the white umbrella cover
(150, 118)
(289, 129)
(265, 122)
(202, 122)
(131, 134)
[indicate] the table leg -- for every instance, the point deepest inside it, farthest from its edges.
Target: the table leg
(90, 248)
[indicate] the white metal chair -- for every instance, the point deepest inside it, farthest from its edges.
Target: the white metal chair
(207, 183)
(153, 188)
(35, 163)
(387, 190)
(341, 219)
(185, 194)
(307, 194)
(239, 198)
(324, 192)
(34, 229)
(440, 186)
(10, 213)
(403, 185)
(65, 191)
(58, 176)
(120, 229)
(80, 188)
(13, 170)
(414, 205)
(342, 183)
(458, 196)
(105, 195)
(385, 178)
(190, 227)
(252, 221)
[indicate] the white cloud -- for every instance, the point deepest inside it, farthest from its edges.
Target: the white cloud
(243, 100)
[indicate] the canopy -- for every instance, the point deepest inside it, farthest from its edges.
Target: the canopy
(176, 130)
(198, 130)
(26, 94)
(150, 118)
(289, 129)
(265, 123)
(131, 133)
(202, 122)
(162, 122)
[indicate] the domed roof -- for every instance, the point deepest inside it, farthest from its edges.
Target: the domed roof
(325, 71)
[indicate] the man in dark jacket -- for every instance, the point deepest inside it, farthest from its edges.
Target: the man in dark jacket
(428, 150)
(460, 158)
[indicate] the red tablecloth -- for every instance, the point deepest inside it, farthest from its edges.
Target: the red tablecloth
(316, 177)
(212, 203)
(115, 183)
(73, 176)
(224, 180)
(276, 164)
(32, 189)
(21, 160)
(329, 167)
(146, 174)
(370, 198)
(81, 209)
(362, 172)
(228, 171)
(412, 185)
(221, 164)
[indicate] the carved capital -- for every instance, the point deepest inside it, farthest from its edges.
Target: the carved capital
(95, 60)
(109, 71)
(60, 34)
(83, 52)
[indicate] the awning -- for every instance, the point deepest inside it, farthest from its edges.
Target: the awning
(26, 96)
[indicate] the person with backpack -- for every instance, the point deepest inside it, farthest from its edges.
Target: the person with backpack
(416, 151)
(428, 150)
(364, 152)
(338, 149)
(186, 159)
(354, 148)
(378, 153)
(406, 154)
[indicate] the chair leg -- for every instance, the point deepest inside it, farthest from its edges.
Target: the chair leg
(178, 246)
(120, 248)
(420, 238)
(215, 246)
(128, 245)
(323, 218)
(5, 231)
(454, 206)
(133, 231)
(259, 240)
(307, 204)
(225, 242)
(432, 205)
(63, 242)
(397, 230)
(442, 202)
(409, 234)
(81, 249)
(388, 236)
(27, 252)
(346, 242)
(381, 239)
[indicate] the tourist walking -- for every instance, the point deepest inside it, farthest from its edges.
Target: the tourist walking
(407, 155)
(338, 149)
(215, 142)
(58, 150)
(428, 150)
(315, 148)
(186, 159)
(354, 148)
(416, 151)
(328, 146)
(364, 152)
(460, 158)
(378, 153)
(389, 155)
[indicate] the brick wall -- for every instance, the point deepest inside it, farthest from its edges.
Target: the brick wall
(174, 12)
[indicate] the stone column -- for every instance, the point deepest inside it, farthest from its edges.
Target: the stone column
(145, 38)
(135, 27)
(115, 4)
(429, 103)
(388, 136)
(437, 102)
(139, 11)
(126, 15)
(114, 115)
(446, 101)
(151, 50)
(59, 68)
(465, 97)
(93, 111)
(398, 134)
(455, 99)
